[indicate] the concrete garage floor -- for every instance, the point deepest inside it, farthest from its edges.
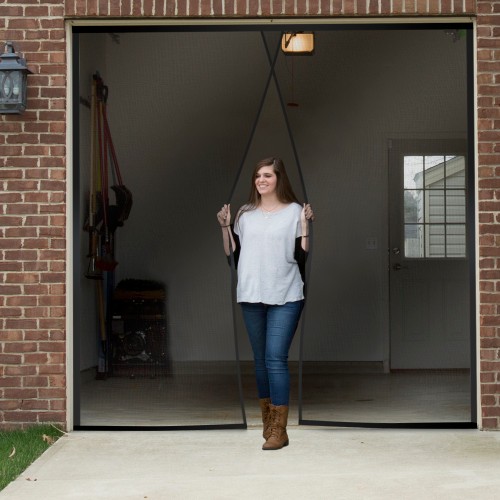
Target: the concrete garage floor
(318, 464)
(407, 397)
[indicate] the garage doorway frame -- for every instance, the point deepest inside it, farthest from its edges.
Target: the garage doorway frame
(75, 27)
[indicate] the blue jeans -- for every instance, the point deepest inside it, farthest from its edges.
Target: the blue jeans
(271, 329)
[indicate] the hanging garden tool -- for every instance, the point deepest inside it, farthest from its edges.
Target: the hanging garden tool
(91, 225)
(104, 218)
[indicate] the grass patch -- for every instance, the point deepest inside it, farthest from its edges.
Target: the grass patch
(20, 448)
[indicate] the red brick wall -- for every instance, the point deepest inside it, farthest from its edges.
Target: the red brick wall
(256, 8)
(32, 223)
(33, 171)
(488, 129)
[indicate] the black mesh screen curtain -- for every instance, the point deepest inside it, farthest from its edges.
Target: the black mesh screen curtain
(384, 337)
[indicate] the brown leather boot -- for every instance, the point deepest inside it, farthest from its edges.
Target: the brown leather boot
(278, 438)
(266, 417)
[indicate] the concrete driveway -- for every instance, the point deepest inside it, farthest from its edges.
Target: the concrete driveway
(229, 464)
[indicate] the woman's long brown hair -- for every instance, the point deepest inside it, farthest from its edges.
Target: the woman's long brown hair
(284, 190)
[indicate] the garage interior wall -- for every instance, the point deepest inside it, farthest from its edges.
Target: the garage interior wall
(181, 107)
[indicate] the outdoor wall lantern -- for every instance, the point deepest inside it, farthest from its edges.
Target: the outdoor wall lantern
(298, 43)
(13, 79)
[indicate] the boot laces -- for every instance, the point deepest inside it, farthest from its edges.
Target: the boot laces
(274, 423)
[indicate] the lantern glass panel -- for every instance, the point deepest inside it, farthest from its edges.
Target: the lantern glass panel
(12, 91)
(6, 86)
(12, 85)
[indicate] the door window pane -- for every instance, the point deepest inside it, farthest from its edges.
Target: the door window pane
(413, 172)
(414, 240)
(413, 206)
(434, 172)
(435, 241)
(455, 206)
(434, 206)
(455, 240)
(455, 172)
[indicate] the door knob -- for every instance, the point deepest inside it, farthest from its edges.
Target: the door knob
(398, 267)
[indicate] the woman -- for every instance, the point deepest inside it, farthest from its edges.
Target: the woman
(269, 240)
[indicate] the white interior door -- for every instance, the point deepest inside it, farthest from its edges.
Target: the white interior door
(428, 258)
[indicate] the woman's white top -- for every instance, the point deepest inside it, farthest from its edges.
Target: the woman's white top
(267, 269)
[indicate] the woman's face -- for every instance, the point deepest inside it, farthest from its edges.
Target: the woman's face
(266, 180)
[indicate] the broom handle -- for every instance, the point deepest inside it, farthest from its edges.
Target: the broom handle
(92, 208)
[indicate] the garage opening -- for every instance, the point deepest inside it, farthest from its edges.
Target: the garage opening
(380, 119)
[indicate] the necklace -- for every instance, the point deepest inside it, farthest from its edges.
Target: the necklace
(268, 213)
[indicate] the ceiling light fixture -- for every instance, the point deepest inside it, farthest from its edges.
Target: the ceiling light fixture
(297, 43)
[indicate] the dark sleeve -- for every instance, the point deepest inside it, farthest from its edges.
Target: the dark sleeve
(300, 256)
(236, 252)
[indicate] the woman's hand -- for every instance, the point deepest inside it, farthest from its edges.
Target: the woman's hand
(224, 216)
(307, 213)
